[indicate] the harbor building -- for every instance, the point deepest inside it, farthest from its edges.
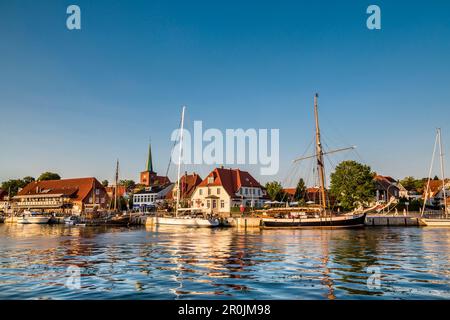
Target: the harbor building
(224, 189)
(147, 198)
(4, 200)
(149, 177)
(63, 196)
(435, 192)
(387, 187)
(188, 184)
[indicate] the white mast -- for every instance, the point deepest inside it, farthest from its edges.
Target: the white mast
(441, 153)
(427, 190)
(179, 161)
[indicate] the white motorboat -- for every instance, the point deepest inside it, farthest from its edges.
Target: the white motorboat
(33, 218)
(72, 220)
(187, 221)
(435, 222)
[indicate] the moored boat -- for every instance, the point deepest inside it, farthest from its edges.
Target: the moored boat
(444, 219)
(320, 216)
(33, 218)
(435, 222)
(188, 220)
(343, 220)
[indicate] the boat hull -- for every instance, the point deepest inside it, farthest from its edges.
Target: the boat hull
(33, 220)
(188, 222)
(433, 222)
(343, 221)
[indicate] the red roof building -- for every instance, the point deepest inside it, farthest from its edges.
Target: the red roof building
(224, 189)
(188, 183)
(67, 195)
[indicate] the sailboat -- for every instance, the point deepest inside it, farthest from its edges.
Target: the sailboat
(317, 216)
(444, 220)
(184, 220)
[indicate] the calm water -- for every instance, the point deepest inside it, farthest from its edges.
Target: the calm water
(184, 263)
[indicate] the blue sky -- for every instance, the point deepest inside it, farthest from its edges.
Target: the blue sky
(74, 101)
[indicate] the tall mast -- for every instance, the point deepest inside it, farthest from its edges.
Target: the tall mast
(427, 190)
(319, 155)
(179, 161)
(116, 182)
(441, 152)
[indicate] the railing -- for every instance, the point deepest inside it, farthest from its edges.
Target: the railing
(36, 204)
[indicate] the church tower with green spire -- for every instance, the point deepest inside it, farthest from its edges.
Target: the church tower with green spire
(149, 159)
(149, 177)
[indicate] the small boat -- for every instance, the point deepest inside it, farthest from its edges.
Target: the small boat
(72, 220)
(187, 221)
(435, 222)
(33, 218)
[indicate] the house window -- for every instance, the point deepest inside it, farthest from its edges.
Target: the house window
(210, 179)
(246, 191)
(222, 204)
(97, 192)
(218, 190)
(214, 204)
(208, 204)
(209, 192)
(200, 191)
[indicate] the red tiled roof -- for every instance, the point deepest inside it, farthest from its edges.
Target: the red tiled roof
(188, 183)
(78, 188)
(230, 179)
(290, 191)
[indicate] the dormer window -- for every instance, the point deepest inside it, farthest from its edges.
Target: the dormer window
(210, 179)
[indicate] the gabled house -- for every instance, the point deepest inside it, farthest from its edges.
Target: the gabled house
(386, 188)
(65, 196)
(435, 193)
(224, 189)
(188, 184)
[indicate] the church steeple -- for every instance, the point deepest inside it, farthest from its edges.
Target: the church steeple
(149, 159)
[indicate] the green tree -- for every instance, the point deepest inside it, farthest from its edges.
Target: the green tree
(49, 176)
(105, 183)
(129, 184)
(12, 186)
(274, 190)
(300, 191)
(409, 183)
(26, 180)
(352, 184)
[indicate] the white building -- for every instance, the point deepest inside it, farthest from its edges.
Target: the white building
(224, 188)
(148, 197)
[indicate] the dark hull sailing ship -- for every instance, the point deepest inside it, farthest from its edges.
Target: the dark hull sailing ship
(320, 216)
(331, 221)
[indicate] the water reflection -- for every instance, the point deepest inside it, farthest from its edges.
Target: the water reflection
(186, 263)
